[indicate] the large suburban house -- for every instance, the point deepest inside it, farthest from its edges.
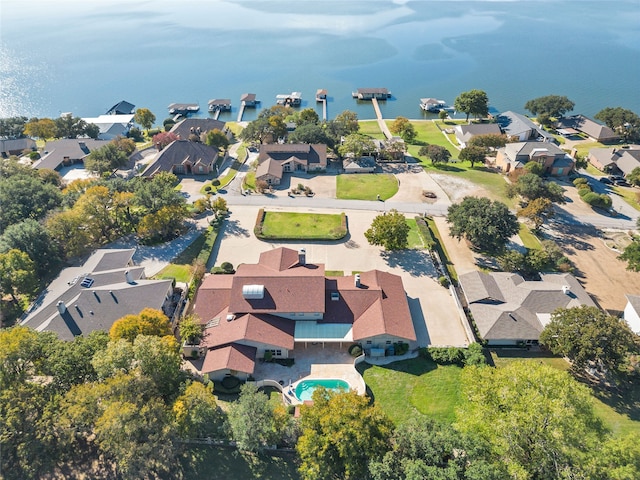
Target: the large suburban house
(509, 310)
(15, 146)
(283, 302)
(516, 155)
(93, 296)
(519, 126)
(198, 126)
(464, 133)
(183, 157)
(591, 128)
(112, 125)
(66, 152)
(275, 159)
(632, 312)
(616, 160)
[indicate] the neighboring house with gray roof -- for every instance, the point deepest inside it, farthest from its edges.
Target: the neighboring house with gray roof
(464, 133)
(632, 312)
(66, 152)
(283, 303)
(595, 130)
(112, 126)
(365, 164)
(509, 310)
(516, 155)
(93, 296)
(198, 126)
(122, 108)
(274, 160)
(516, 125)
(15, 146)
(183, 157)
(615, 160)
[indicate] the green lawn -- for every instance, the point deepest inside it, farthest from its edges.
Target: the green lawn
(414, 239)
(371, 128)
(334, 273)
(303, 226)
(418, 385)
(205, 462)
(584, 147)
(250, 181)
(529, 240)
(631, 196)
(366, 186)
(182, 273)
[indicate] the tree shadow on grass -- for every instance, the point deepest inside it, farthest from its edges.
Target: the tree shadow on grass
(623, 397)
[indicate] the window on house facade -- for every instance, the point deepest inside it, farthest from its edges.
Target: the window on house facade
(275, 353)
(368, 342)
(388, 342)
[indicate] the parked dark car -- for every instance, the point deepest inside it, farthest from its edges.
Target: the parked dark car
(605, 180)
(621, 182)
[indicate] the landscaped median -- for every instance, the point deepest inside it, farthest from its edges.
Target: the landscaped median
(300, 226)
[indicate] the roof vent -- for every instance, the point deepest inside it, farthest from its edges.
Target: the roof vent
(231, 317)
(128, 277)
(566, 289)
(253, 292)
(302, 256)
(61, 306)
(356, 280)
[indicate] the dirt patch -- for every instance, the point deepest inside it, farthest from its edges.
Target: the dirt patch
(616, 240)
(598, 268)
(457, 188)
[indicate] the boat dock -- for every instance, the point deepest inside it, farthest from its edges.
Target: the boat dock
(182, 109)
(293, 99)
(247, 100)
(433, 105)
(321, 96)
(371, 93)
(381, 122)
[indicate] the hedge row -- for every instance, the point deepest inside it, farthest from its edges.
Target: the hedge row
(473, 355)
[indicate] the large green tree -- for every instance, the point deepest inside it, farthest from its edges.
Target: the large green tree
(345, 123)
(589, 337)
(24, 196)
(389, 230)
(488, 140)
(144, 117)
(631, 255)
(537, 211)
(487, 224)
(422, 448)
(356, 144)
(105, 159)
(68, 126)
(196, 413)
(42, 128)
(310, 133)
(474, 102)
(341, 434)
(624, 122)
(531, 186)
(252, 420)
(537, 420)
(17, 275)
(13, 126)
(436, 153)
(29, 237)
(473, 155)
(148, 322)
(403, 127)
(550, 105)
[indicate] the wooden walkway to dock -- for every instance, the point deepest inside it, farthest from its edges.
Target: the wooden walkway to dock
(324, 109)
(216, 114)
(381, 122)
(241, 111)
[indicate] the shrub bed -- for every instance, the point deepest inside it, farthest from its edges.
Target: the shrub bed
(425, 231)
(473, 355)
(355, 350)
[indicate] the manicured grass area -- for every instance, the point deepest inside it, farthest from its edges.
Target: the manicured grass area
(584, 147)
(371, 128)
(414, 239)
(182, 273)
(366, 186)
(206, 462)
(224, 181)
(235, 128)
(594, 171)
(630, 195)
(419, 385)
(429, 133)
(619, 411)
(250, 181)
(528, 239)
(190, 253)
(334, 273)
(303, 226)
(442, 250)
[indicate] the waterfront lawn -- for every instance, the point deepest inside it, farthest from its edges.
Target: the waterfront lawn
(407, 387)
(620, 412)
(429, 134)
(371, 128)
(584, 147)
(302, 226)
(366, 186)
(204, 462)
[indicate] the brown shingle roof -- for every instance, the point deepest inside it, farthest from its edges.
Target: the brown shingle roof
(232, 357)
(251, 328)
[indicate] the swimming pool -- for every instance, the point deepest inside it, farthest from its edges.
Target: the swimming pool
(305, 388)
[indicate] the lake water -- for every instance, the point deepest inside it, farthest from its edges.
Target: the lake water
(85, 56)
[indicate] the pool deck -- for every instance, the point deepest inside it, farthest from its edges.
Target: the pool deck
(313, 361)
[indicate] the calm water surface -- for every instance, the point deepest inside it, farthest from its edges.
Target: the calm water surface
(82, 57)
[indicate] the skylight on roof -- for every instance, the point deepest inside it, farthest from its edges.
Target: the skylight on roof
(86, 282)
(214, 322)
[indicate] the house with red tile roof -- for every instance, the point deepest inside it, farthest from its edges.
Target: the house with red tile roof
(283, 302)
